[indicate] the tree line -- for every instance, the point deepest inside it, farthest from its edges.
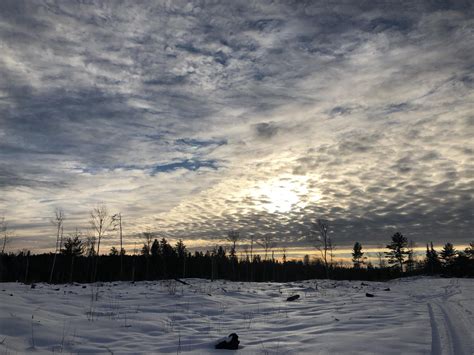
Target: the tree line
(78, 258)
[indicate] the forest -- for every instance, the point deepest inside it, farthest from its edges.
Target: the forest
(78, 260)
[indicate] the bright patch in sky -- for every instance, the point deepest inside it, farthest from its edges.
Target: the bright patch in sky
(282, 195)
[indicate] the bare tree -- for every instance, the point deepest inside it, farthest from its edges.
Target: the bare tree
(252, 239)
(58, 223)
(324, 243)
(233, 236)
(100, 222)
(381, 259)
(146, 250)
(267, 243)
(5, 234)
(147, 241)
(117, 224)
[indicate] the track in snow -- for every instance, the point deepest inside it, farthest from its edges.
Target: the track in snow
(449, 333)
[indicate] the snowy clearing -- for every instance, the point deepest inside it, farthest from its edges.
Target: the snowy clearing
(416, 316)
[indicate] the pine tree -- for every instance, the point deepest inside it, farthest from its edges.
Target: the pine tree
(357, 255)
(73, 246)
(155, 248)
(398, 251)
(181, 252)
(432, 263)
(448, 254)
(411, 257)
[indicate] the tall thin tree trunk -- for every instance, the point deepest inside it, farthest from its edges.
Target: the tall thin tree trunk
(55, 254)
(121, 247)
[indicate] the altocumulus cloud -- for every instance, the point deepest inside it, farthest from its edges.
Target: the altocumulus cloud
(193, 118)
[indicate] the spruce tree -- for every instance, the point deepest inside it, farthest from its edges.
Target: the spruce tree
(398, 251)
(448, 254)
(155, 248)
(73, 246)
(432, 263)
(357, 255)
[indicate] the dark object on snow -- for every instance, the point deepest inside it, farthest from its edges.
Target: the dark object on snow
(181, 281)
(369, 295)
(364, 284)
(33, 286)
(292, 298)
(387, 289)
(84, 286)
(230, 343)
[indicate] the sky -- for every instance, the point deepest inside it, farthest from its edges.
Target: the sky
(195, 118)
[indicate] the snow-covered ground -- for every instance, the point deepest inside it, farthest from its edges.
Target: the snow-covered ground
(416, 316)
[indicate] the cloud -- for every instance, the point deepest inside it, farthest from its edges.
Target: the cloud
(266, 130)
(196, 118)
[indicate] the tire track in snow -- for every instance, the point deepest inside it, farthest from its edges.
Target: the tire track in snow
(456, 334)
(447, 335)
(435, 339)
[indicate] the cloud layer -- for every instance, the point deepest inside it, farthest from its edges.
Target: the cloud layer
(196, 118)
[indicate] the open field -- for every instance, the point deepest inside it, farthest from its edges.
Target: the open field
(415, 316)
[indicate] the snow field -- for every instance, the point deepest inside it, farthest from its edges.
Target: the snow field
(417, 316)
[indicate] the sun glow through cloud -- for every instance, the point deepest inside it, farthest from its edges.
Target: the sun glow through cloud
(283, 194)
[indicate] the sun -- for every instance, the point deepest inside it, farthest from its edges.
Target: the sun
(282, 194)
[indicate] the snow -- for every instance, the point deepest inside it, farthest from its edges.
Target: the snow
(417, 316)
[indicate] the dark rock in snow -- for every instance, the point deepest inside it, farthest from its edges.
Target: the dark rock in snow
(33, 286)
(369, 295)
(364, 284)
(292, 298)
(230, 343)
(387, 289)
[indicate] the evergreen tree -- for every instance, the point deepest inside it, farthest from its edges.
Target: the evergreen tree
(448, 254)
(166, 249)
(180, 249)
(113, 251)
(155, 248)
(233, 237)
(411, 257)
(432, 263)
(145, 250)
(398, 251)
(181, 253)
(357, 255)
(90, 246)
(73, 246)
